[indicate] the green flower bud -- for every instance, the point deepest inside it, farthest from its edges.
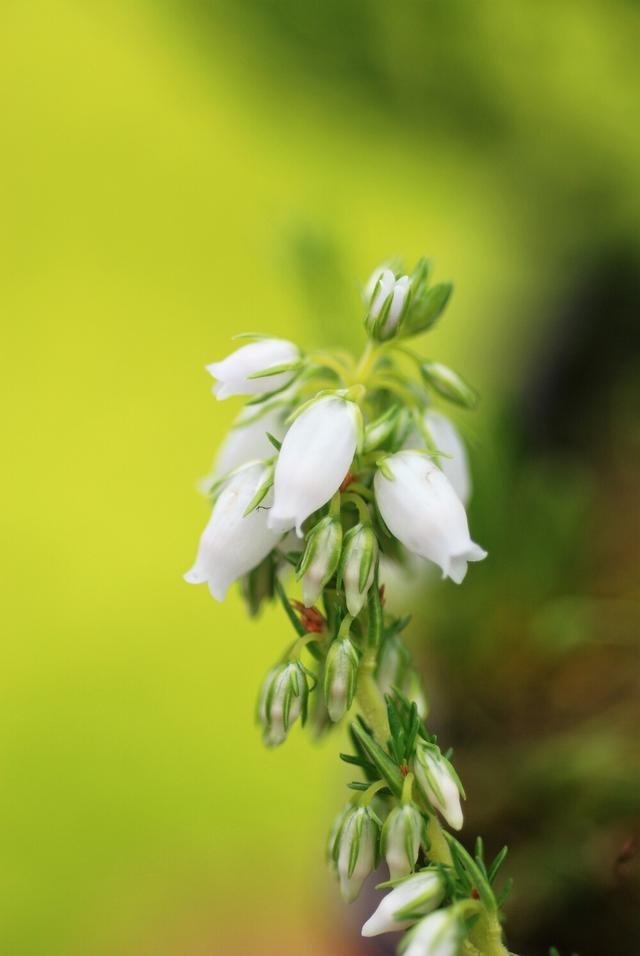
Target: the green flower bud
(449, 384)
(401, 838)
(439, 782)
(340, 675)
(358, 850)
(321, 557)
(357, 565)
(333, 841)
(388, 297)
(283, 698)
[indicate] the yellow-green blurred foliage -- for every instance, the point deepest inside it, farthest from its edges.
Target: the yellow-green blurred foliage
(172, 174)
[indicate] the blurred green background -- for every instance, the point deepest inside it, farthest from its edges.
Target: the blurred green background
(173, 173)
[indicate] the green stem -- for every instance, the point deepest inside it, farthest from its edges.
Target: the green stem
(370, 700)
(486, 936)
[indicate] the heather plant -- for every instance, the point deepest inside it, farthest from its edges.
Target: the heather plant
(336, 471)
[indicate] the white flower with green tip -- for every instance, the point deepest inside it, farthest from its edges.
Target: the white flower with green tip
(439, 782)
(438, 934)
(405, 903)
(340, 677)
(247, 440)
(401, 839)
(321, 557)
(357, 566)
(358, 851)
(283, 699)
(387, 295)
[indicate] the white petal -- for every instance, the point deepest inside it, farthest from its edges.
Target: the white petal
(315, 457)
(231, 544)
(233, 372)
(447, 439)
(246, 443)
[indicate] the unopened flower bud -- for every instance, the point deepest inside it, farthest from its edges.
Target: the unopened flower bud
(358, 850)
(333, 840)
(340, 676)
(414, 897)
(357, 566)
(449, 384)
(282, 700)
(401, 838)
(438, 934)
(439, 782)
(321, 557)
(388, 298)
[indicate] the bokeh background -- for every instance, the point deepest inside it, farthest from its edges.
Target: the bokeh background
(175, 172)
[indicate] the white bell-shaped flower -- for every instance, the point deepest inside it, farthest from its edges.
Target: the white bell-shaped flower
(385, 290)
(234, 373)
(421, 508)
(247, 441)
(233, 544)
(357, 855)
(439, 782)
(418, 894)
(438, 934)
(446, 438)
(401, 838)
(314, 459)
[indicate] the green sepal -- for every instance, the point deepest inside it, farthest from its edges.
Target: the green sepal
(473, 871)
(276, 370)
(427, 307)
(497, 863)
(260, 494)
(449, 384)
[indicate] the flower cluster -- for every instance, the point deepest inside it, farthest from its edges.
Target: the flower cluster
(335, 470)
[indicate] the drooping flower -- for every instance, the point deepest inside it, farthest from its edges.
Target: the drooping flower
(357, 854)
(446, 438)
(357, 566)
(421, 508)
(315, 457)
(321, 557)
(417, 895)
(439, 782)
(387, 295)
(282, 700)
(401, 838)
(247, 440)
(340, 675)
(233, 543)
(438, 934)
(235, 373)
